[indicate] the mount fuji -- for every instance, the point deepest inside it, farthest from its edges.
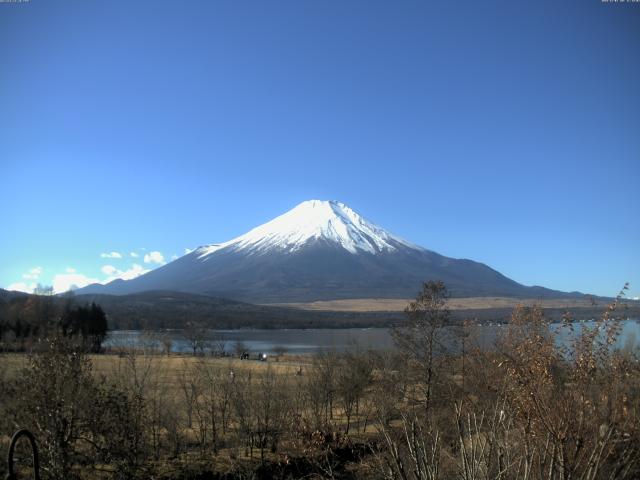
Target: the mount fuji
(319, 250)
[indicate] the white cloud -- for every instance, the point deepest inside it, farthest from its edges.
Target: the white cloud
(134, 254)
(174, 256)
(33, 274)
(22, 287)
(111, 255)
(135, 271)
(109, 269)
(154, 257)
(114, 274)
(188, 250)
(63, 282)
(71, 279)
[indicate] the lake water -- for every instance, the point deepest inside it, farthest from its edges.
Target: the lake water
(310, 341)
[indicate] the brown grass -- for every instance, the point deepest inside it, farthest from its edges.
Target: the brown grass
(398, 305)
(171, 366)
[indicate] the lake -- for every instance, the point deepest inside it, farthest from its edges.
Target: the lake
(310, 341)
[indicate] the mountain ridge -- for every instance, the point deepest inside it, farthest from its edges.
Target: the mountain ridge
(320, 250)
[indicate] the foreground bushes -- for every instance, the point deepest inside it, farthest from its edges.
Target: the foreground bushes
(534, 408)
(434, 409)
(78, 418)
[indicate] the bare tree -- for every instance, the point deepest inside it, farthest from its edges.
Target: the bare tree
(190, 389)
(320, 388)
(271, 405)
(279, 351)
(242, 404)
(411, 453)
(212, 402)
(239, 348)
(389, 387)
(59, 392)
(419, 338)
(167, 342)
(571, 404)
(353, 377)
(218, 346)
(196, 336)
(60, 396)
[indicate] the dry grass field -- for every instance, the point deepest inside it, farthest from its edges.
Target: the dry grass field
(174, 365)
(398, 305)
(168, 381)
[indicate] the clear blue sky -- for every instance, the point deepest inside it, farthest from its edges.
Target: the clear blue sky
(506, 132)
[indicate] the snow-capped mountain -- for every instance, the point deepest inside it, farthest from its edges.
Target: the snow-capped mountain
(311, 221)
(319, 250)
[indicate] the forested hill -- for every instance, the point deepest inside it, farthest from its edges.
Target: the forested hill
(163, 309)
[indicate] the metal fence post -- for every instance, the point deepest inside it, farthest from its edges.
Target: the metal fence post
(34, 451)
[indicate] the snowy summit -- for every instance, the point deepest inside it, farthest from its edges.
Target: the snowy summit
(314, 220)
